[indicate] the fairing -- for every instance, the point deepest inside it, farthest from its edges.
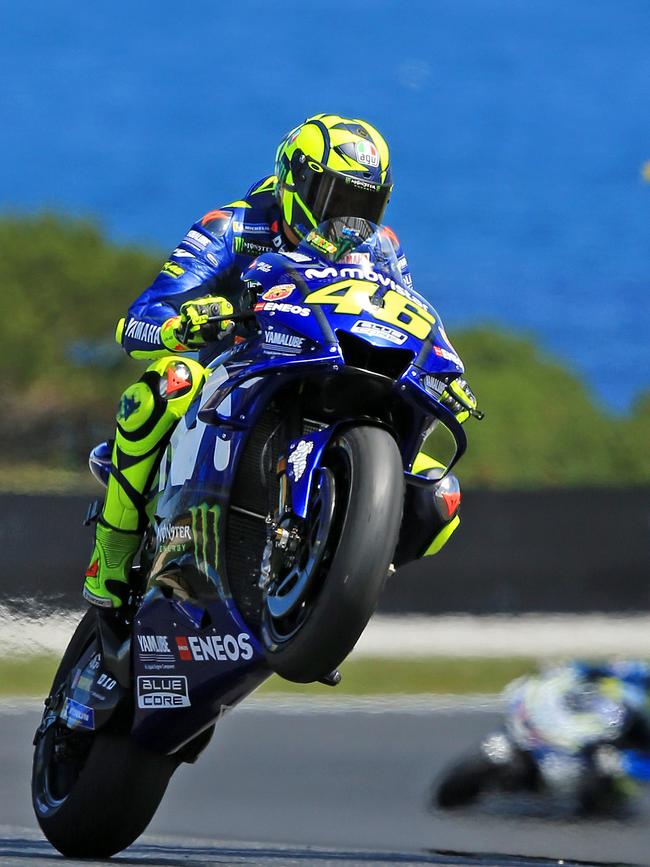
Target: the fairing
(206, 656)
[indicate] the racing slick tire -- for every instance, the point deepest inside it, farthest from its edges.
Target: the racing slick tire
(93, 793)
(463, 782)
(364, 473)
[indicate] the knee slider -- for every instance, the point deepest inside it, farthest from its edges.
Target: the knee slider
(446, 500)
(430, 516)
(165, 390)
(145, 403)
(446, 494)
(178, 381)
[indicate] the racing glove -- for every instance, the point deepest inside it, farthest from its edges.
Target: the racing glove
(191, 328)
(460, 399)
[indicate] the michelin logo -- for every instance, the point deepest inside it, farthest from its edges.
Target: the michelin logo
(298, 458)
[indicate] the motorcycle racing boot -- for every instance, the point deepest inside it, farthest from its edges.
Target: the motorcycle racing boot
(107, 576)
(147, 415)
(431, 515)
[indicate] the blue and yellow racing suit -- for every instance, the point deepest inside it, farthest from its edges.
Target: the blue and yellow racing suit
(208, 261)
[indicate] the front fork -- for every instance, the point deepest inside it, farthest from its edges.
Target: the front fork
(298, 471)
(282, 535)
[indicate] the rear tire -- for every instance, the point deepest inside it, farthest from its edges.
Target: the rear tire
(112, 800)
(369, 485)
(93, 793)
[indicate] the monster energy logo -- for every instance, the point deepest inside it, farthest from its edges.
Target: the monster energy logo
(251, 248)
(205, 522)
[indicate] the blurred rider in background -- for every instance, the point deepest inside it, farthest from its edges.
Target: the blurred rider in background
(329, 166)
(587, 727)
(579, 731)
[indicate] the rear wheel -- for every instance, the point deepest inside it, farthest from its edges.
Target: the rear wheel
(93, 793)
(312, 622)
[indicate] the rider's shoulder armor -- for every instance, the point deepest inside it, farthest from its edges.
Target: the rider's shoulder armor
(208, 260)
(255, 226)
(232, 235)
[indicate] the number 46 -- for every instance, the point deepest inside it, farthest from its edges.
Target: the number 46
(353, 297)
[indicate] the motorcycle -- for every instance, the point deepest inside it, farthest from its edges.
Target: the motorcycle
(566, 737)
(277, 516)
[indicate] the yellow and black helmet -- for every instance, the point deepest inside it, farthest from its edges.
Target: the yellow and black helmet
(332, 166)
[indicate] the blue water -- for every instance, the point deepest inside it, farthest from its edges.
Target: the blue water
(518, 128)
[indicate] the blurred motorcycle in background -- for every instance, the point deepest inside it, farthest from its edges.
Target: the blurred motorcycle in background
(579, 731)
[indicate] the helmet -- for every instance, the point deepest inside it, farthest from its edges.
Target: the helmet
(332, 166)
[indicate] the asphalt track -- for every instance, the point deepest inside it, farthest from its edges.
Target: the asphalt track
(286, 783)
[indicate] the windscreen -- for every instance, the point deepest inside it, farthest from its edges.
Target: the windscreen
(354, 241)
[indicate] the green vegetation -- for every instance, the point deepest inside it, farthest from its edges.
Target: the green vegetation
(64, 286)
(542, 427)
(27, 676)
(436, 675)
(32, 676)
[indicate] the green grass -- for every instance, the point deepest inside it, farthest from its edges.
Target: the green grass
(32, 676)
(413, 676)
(31, 478)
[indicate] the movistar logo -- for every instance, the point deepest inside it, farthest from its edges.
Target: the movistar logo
(354, 273)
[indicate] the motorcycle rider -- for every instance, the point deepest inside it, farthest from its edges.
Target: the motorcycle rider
(579, 730)
(326, 167)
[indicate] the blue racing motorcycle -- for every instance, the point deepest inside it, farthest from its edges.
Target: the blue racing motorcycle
(277, 518)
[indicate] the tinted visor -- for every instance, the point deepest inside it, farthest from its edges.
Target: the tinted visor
(329, 194)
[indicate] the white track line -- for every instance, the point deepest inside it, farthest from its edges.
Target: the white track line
(534, 635)
(287, 704)
(36, 631)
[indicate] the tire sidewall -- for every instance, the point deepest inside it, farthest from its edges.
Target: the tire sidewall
(358, 569)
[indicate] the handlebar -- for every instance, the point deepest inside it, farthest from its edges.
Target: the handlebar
(248, 316)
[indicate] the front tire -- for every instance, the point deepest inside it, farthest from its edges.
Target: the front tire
(471, 776)
(366, 466)
(465, 781)
(93, 793)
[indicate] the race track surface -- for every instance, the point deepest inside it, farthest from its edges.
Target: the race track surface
(294, 783)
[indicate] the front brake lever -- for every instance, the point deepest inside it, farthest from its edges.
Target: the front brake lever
(185, 335)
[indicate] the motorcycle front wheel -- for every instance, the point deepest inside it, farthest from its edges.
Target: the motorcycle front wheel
(464, 781)
(347, 547)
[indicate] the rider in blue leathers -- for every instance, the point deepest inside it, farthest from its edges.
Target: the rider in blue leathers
(328, 166)
(210, 260)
